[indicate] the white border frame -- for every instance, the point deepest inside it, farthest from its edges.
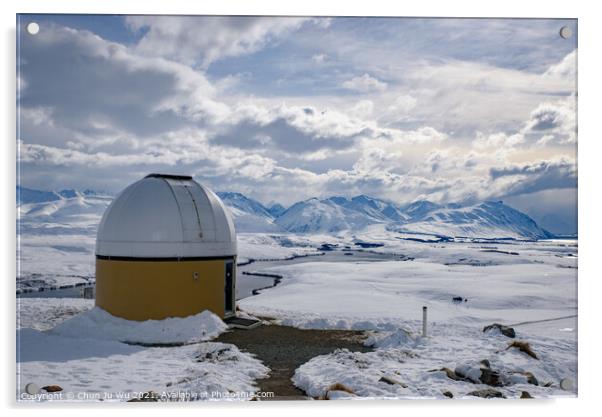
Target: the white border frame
(590, 33)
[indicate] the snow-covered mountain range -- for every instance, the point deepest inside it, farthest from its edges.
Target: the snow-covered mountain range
(486, 220)
(47, 210)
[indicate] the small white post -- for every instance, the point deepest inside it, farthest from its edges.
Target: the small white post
(424, 321)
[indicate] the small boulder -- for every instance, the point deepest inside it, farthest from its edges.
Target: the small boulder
(340, 387)
(448, 394)
(450, 374)
(470, 372)
(391, 381)
(335, 391)
(480, 374)
(525, 395)
(490, 377)
(505, 330)
(523, 347)
(487, 393)
(529, 375)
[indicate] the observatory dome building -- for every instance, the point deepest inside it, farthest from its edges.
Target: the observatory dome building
(166, 247)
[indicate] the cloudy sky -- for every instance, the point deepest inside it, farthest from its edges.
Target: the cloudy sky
(283, 109)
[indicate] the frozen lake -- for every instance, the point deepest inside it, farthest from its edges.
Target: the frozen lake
(246, 284)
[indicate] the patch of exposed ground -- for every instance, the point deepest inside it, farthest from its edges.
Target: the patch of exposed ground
(283, 349)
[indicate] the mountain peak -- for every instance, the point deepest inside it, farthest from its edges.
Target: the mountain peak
(69, 193)
(276, 209)
(363, 197)
(488, 219)
(338, 200)
(242, 202)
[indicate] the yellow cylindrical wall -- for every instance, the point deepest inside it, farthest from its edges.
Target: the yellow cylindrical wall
(143, 290)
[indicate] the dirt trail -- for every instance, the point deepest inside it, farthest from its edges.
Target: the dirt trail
(283, 349)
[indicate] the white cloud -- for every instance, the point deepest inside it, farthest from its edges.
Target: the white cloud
(364, 84)
(362, 109)
(92, 108)
(393, 151)
(422, 135)
(319, 58)
(206, 39)
(185, 148)
(465, 96)
(298, 129)
(89, 82)
(499, 141)
(21, 84)
(566, 69)
(403, 104)
(556, 120)
(545, 139)
(38, 115)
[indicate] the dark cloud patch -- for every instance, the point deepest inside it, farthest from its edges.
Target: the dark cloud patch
(545, 119)
(90, 83)
(536, 177)
(555, 210)
(556, 119)
(281, 134)
(470, 163)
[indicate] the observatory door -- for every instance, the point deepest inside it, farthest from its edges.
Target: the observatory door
(229, 289)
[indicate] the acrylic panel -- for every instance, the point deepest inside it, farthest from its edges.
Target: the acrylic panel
(258, 208)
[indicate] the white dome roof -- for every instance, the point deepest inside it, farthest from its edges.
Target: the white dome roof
(166, 216)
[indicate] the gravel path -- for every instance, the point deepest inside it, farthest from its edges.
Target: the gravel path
(283, 349)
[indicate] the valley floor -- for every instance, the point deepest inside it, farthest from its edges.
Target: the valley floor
(530, 285)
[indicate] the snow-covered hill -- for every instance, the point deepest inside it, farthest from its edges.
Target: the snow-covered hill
(486, 220)
(27, 195)
(79, 212)
(419, 209)
(60, 212)
(276, 209)
(316, 216)
(248, 215)
(373, 207)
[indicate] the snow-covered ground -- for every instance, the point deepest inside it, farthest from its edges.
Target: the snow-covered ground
(382, 295)
(532, 285)
(417, 363)
(45, 313)
(99, 325)
(529, 284)
(83, 354)
(264, 246)
(54, 260)
(430, 248)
